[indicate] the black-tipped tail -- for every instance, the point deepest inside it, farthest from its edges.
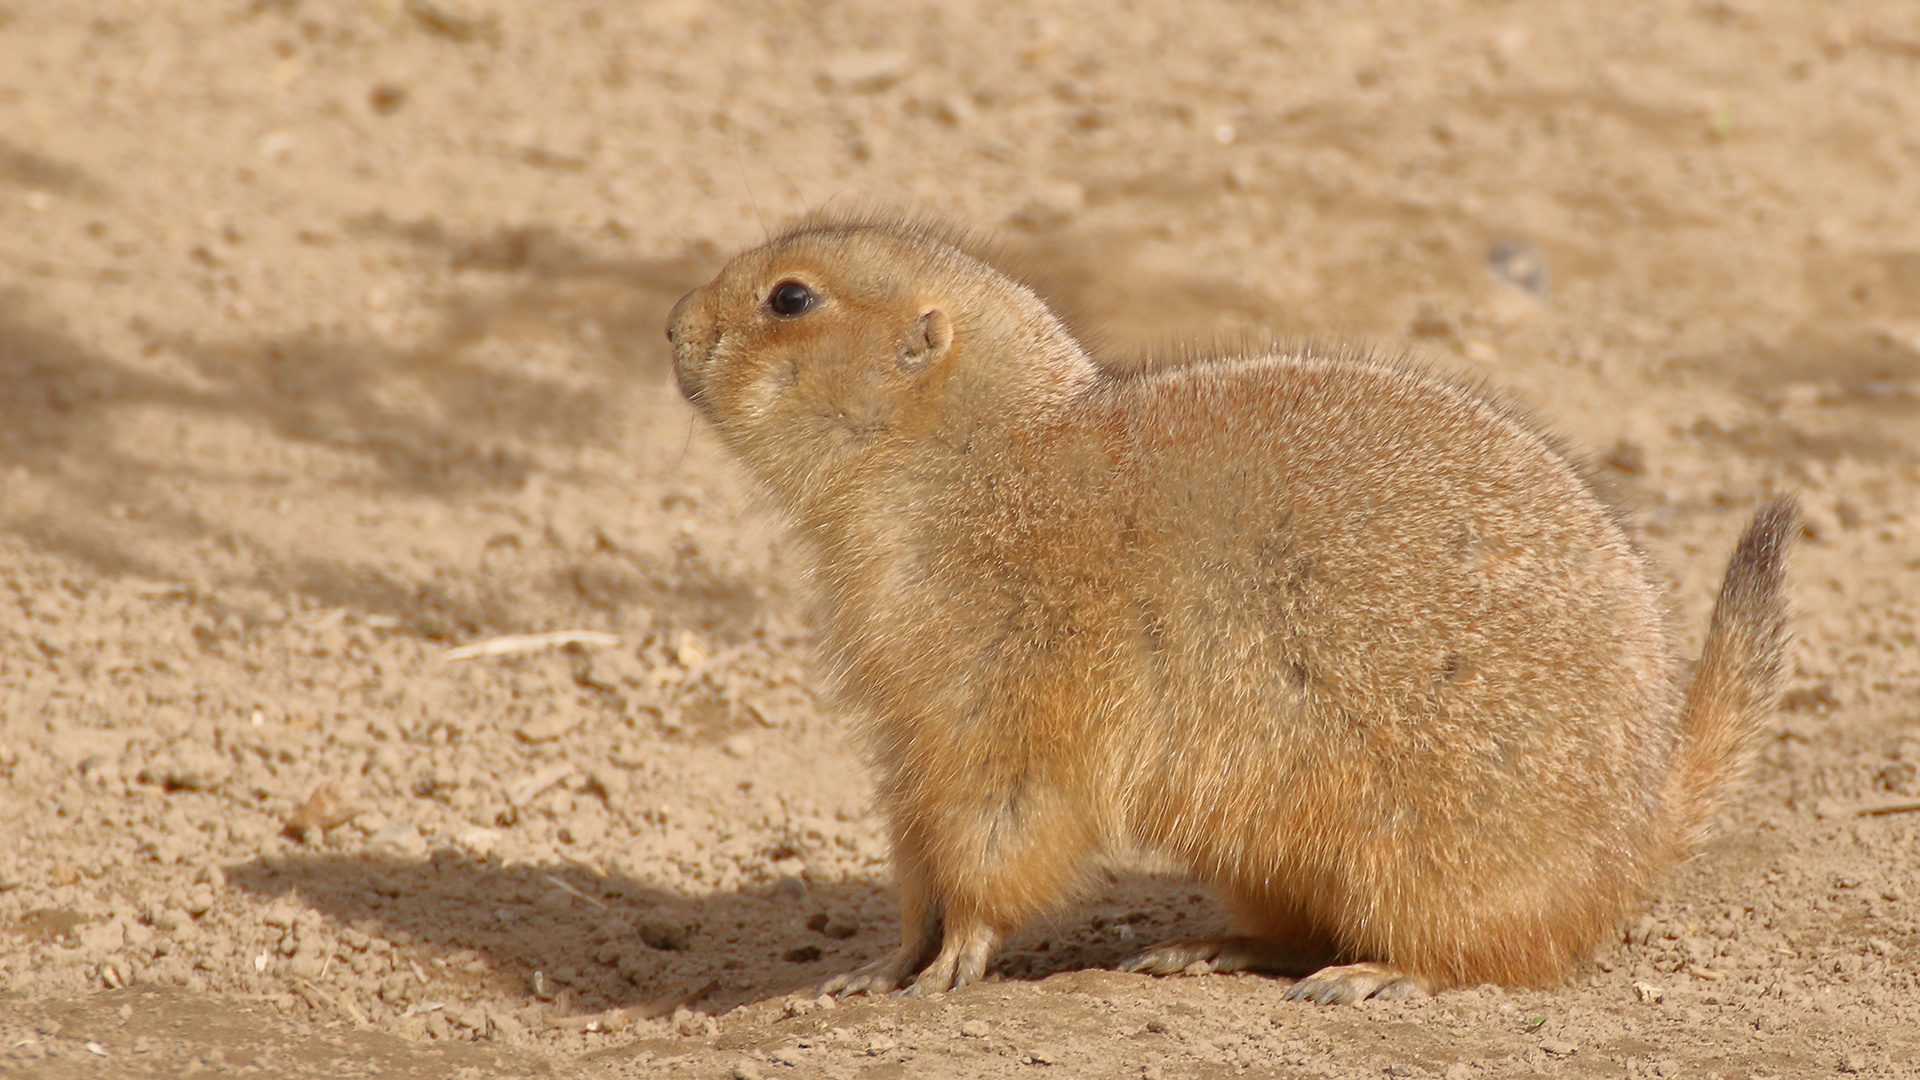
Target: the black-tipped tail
(1738, 680)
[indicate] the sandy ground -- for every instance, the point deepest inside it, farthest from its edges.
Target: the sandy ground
(330, 341)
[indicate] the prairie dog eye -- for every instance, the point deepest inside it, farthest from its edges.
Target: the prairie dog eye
(790, 298)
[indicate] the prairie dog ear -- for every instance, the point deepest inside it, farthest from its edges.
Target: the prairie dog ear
(926, 342)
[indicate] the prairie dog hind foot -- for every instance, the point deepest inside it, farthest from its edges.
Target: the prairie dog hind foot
(1234, 952)
(879, 977)
(1345, 984)
(1336, 984)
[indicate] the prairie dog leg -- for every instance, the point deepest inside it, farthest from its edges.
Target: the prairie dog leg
(987, 866)
(919, 939)
(962, 959)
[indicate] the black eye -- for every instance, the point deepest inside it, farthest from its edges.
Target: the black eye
(790, 298)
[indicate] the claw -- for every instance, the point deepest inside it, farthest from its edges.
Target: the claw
(879, 977)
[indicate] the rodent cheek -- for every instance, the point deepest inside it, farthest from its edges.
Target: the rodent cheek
(688, 373)
(763, 392)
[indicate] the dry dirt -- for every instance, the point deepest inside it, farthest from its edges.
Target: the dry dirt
(330, 341)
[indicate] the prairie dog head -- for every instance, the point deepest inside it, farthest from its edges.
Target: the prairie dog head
(839, 347)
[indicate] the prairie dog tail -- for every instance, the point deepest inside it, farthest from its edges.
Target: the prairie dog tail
(1735, 684)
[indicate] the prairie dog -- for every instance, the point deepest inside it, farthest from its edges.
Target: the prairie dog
(1354, 645)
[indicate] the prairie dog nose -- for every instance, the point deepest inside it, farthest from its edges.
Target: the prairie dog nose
(673, 317)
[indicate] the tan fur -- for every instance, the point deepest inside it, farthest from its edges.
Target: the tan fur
(1351, 643)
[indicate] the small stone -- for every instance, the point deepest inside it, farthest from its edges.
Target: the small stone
(838, 927)
(689, 1022)
(191, 767)
(1648, 993)
(747, 1070)
(1628, 457)
(1559, 1047)
(1052, 204)
(398, 841)
(387, 98)
(329, 805)
(738, 746)
(864, 70)
(610, 782)
(880, 1044)
(584, 828)
(506, 1028)
(1519, 262)
(664, 934)
(551, 725)
(479, 841)
(691, 653)
(975, 1029)
(805, 954)
(1854, 1062)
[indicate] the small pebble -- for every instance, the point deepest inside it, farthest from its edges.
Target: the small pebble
(975, 1029)
(864, 70)
(330, 805)
(550, 726)
(479, 841)
(665, 934)
(1519, 262)
(398, 841)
